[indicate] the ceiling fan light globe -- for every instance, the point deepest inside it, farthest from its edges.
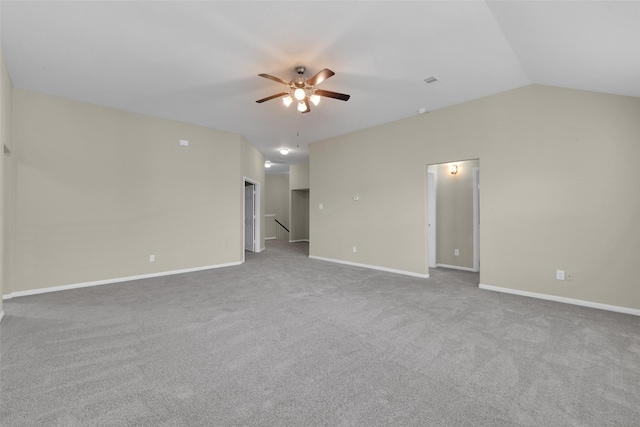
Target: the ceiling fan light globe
(315, 99)
(299, 94)
(302, 107)
(287, 100)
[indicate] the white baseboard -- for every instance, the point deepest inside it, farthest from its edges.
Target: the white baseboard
(1, 315)
(456, 267)
(300, 240)
(372, 267)
(616, 308)
(270, 238)
(117, 280)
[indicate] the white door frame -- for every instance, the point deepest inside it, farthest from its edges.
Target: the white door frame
(476, 219)
(256, 210)
(432, 183)
(249, 223)
(432, 178)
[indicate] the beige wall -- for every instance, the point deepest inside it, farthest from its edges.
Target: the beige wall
(99, 190)
(6, 181)
(559, 190)
(454, 214)
(278, 197)
(253, 168)
(299, 176)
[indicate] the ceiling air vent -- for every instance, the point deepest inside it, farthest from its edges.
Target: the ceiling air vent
(430, 80)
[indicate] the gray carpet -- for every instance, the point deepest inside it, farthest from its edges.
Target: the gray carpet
(285, 340)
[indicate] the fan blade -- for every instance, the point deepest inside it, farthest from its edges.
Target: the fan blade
(306, 102)
(277, 95)
(335, 95)
(275, 79)
(320, 77)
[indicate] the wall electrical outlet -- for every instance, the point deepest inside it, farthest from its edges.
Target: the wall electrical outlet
(456, 252)
(560, 274)
(152, 258)
(354, 249)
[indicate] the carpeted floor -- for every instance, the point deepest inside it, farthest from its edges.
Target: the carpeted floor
(285, 340)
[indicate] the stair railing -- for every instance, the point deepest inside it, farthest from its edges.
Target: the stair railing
(282, 232)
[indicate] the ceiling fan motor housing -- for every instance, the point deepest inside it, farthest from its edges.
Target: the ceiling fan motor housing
(299, 81)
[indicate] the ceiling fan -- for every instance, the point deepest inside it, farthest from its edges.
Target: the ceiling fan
(304, 91)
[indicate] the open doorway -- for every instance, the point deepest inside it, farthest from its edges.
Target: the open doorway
(251, 213)
(453, 215)
(299, 216)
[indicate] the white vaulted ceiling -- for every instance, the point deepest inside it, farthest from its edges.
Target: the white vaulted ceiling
(198, 62)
